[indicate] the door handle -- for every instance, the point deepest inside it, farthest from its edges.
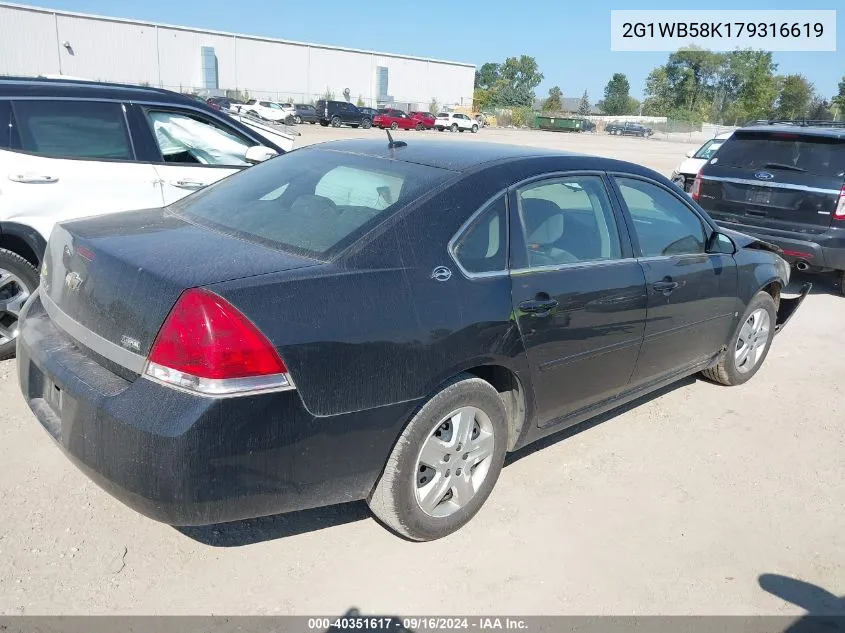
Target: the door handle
(666, 287)
(33, 179)
(187, 184)
(535, 306)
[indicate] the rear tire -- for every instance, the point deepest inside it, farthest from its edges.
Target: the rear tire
(454, 127)
(366, 123)
(336, 122)
(419, 127)
(453, 489)
(749, 345)
(298, 120)
(18, 280)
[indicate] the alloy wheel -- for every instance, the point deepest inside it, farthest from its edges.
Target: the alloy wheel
(13, 294)
(752, 339)
(454, 462)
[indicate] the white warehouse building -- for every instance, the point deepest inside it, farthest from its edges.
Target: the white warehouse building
(35, 41)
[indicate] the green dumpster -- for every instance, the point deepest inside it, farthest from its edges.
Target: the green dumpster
(558, 124)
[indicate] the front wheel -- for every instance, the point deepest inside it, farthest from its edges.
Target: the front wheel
(18, 280)
(297, 119)
(394, 125)
(419, 127)
(474, 129)
(445, 463)
(749, 345)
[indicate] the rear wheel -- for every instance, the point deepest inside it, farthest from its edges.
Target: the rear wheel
(366, 123)
(18, 280)
(419, 127)
(439, 128)
(749, 345)
(394, 125)
(297, 119)
(445, 463)
(454, 127)
(336, 122)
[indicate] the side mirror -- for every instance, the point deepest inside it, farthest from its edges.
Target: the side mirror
(720, 243)
(259, 153)
(691, 153)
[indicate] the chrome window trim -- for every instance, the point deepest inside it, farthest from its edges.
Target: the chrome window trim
(573, 265)
(773, 185)
(105, 348)
(450, 247)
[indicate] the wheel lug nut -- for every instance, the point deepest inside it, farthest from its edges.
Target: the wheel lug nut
(466, 456)
(446, 458)
(459, 447)
(458, 472)
(448, 472)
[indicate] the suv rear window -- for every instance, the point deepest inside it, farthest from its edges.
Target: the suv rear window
(789, 151)
(311, 201)
(442, 115)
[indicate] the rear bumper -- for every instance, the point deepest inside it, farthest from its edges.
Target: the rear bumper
(822, 250)
(188, 460)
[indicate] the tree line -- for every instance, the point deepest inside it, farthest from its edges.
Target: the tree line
(693, 85)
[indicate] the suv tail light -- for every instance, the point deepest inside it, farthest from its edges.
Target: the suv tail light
(208, 347)
(839, 214)
(695, 190)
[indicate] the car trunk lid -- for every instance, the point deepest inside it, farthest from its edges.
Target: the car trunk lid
(117, 276)
(775, 179)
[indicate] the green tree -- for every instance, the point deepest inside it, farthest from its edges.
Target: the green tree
(749, 86)
(518, 77)
(481, 98)
(820, 109)
(487, 76)
(553, 103)
(692, 74)
(617, 99)
(584, 106)
(838, 102)
(796, 93)
(360, 103)
(433, 108)
(328, 95)
(659, 97)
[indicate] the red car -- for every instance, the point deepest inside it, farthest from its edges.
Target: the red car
(426, 118)
(396, 119)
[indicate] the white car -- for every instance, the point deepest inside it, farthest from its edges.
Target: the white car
(685, 173)
(269, 110)
(455, 122)
(71, 149)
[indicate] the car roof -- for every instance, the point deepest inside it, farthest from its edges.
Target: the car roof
(467, 156)
(83, 89)
(805, 130)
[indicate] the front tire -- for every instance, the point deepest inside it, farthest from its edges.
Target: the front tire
(474, 129)
(298, 120)
(749, 345)
(18, 280)
(446, 462)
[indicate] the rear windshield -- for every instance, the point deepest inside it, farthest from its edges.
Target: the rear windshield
(443, 115)
(312, 202)
(817, 155)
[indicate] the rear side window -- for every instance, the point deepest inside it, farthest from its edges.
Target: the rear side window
(483, 247)
(9, 138)
(786, 151)
(442, 115)
(73, 129)
(311, 201)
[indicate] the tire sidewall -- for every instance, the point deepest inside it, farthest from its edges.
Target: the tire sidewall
(760, 300)
(24, 271)
(469, 392)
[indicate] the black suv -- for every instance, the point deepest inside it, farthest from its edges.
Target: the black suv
(339, 113)
(783, 182)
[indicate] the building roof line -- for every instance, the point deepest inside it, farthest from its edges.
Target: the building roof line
(261, 38)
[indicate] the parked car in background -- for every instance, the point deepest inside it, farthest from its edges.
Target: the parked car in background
(70, 149)
(200, 394)
(455, 122)
(587, 125)
(370, 112)
(268, 110)
(337, 113)
(223, 103)
(395, 119)
(783, 182)
(628, 129)
(426, 118)
(305, 113)
(684, 174)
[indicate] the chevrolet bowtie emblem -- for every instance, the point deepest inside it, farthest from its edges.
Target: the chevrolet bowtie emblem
(73, 281)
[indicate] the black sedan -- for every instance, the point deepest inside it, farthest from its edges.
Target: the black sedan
(381, 321)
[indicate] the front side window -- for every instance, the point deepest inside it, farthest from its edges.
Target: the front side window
(482, 247)
(314, 201)
(567, 221)
(663, 225)
(192, 140)
(73, 129)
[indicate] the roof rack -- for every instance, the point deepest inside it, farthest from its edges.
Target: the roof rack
(799, 122)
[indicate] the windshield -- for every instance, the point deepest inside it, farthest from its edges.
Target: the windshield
(311, 201)
(707, 150)
(817, 155)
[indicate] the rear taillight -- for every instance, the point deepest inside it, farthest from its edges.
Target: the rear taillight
(839, 214)
(695, 190)
(209, 347)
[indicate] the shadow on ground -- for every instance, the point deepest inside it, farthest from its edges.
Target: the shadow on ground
(825, 611)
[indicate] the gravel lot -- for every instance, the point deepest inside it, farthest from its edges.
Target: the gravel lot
(674, 506)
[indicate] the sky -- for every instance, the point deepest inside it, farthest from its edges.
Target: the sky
(570, 40)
